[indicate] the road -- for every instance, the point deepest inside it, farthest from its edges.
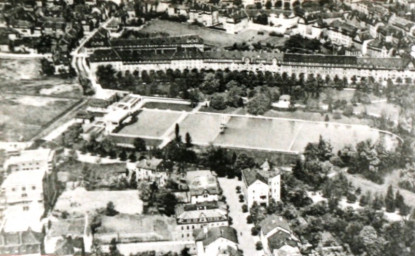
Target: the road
(246, 240)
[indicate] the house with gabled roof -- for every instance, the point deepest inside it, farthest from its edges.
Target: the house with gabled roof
(148, 170)
(217, 241)
(262, 185)
(277, 237)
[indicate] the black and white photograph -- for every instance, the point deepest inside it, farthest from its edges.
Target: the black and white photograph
(207, 127)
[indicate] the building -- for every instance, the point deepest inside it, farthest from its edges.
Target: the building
(235, 22)
(207, 15)
(150, 170)
(191, 217)
(261, 185)
(277, 237)
(203, 186)
(68, 236)
(25, 242)
(217, 241)
(29, 160)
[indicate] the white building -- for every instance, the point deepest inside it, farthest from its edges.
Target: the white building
(277, 238)
(148, 170)
(203, 186)
(217, 241)
(262, 185)
(192, 217)
(29, 160)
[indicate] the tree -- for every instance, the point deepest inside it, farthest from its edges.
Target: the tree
(258, 246)
(167, 201)
(390, 200)
(110, 209)
(259, 104)
(113, 248)
(268, 5)
(139, 144)
(218, 102)
(234, 97)
(185, 252)
(132, 157)
(133, 180)
(177, 132)
(188, 140)
(123, 155)
(371, 243)
(378, 202)
(210, 85)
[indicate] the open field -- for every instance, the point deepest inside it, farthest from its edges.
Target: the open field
(251, 132)
(22, 117)
(24, 77)
(151, 123)
(210, 36)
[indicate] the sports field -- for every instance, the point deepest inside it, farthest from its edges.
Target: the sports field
(249, 132)
(151, 123)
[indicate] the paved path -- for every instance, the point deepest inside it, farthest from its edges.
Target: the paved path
(246, 240)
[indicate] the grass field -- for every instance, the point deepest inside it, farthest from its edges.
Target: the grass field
(210, 36)
(151, 123)
(22, 117)
(273, 134)
(24, 77)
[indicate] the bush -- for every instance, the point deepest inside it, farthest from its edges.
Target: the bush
(230, 220)
(241, 197)
(255, 231)
(218, 102)
(348, 110)
(249, 219)
(244, 208)
(258, 246)
(351, 198)
(238, 189)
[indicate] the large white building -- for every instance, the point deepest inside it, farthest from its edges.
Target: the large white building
(29, 160)
(148, 170)
(261, 185)
(192, 217)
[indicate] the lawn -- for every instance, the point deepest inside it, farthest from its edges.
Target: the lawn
(168, 106)
(210, 36)
(151, 123)
(257, 132)
(24, 77)
(22, 117)
(202, 127)
(80, 201)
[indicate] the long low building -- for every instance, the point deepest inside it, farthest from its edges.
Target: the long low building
(349, 67)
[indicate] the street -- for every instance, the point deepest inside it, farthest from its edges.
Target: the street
(246, 241)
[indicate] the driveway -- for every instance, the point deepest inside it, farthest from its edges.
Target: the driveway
(246, 240)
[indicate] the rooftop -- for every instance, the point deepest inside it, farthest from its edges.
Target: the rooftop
(151, 164)
(143, 228)
(215, 233)
(272, 222)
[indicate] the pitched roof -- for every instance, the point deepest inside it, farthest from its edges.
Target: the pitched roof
(65, 227)
(24, 242)
(215, 233)
(279, 239)
(273, 221)
(151, 164)
(252, 175)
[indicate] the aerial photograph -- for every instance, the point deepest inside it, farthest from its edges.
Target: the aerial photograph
(207, 127)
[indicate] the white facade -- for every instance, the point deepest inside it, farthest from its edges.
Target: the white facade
(215, 248)
(30, 160)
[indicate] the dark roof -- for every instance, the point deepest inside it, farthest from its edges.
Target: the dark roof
(323, 59)
(252, 175)
(279, 239)
(157, 41)
(213, 234)
(384, 63)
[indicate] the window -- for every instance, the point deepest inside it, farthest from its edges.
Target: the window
(187, 227)
(33, 187)
(182, 228)
(24, 195)
(13, 189)
(25, 208)
(23, 189)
